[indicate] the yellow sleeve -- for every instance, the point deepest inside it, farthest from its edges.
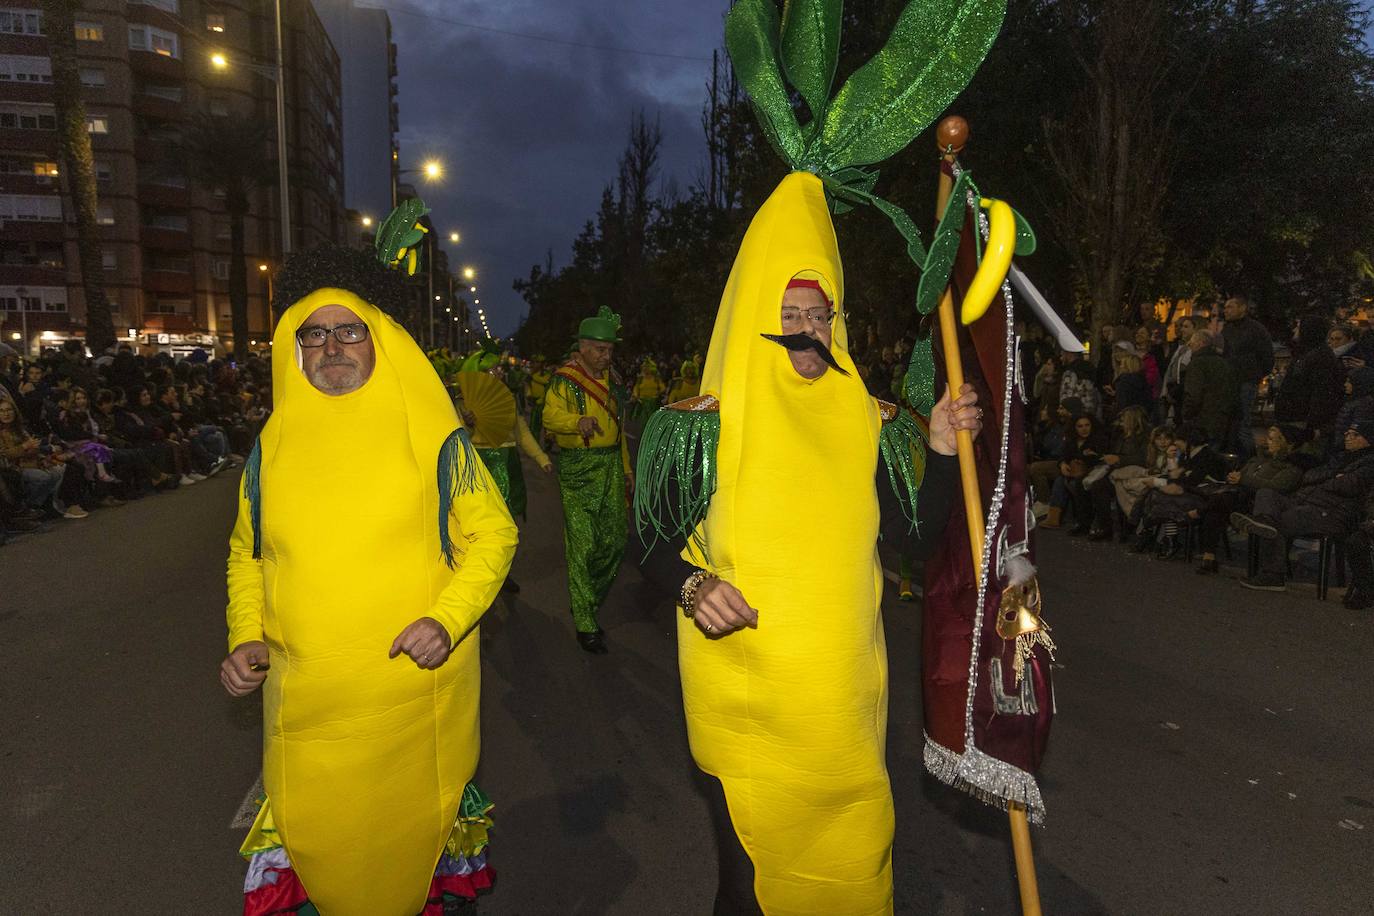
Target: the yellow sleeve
(560, 411)
(246, 595)
(527, 443)
(484, 542)
(625, 458)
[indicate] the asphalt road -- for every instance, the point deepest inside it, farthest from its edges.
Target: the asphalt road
(1211, 753)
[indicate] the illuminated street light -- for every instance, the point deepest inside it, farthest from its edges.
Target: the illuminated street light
(469, 273)
(438, 298)
(219, 61)
(262, 267)
(453, 237)
(433, 170)
(367, 221)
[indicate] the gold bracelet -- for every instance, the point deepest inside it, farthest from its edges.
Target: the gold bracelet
(687, 598)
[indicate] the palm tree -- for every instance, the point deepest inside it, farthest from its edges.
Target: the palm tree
(78, 165)
(229, 152)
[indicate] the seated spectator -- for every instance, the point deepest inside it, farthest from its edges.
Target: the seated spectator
(1053, 440)
(1129, 388)
(1092, 500)
(1131, 482)
(1082, 452)
(1359, 553)
(1311, 391)
(163, 428)
(40, 472)
(1358, 405)
(1045, 387)
(1272, 469)
(1192, 462)
(1329, 503)
(1076, 381)
(135, 464)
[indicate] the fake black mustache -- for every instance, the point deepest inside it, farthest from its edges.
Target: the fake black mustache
(800, 342)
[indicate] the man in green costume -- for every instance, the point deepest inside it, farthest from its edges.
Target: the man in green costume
(585, 408)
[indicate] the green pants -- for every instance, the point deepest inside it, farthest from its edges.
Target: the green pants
(504, 465)
(537, 419)
(595, 526)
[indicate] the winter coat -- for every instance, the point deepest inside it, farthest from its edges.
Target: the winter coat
(1133, 390)
(1211, 393)
(1341, 486)
(1248, 348)
(1312, 390)
(1266, 473)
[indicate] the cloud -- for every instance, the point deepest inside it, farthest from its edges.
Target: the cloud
(530, 131)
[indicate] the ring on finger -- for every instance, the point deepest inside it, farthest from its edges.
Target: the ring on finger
(710, 628)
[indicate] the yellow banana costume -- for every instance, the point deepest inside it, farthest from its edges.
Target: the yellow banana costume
(349, 509)
(791, 717)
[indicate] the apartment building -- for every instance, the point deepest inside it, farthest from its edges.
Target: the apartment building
(147, 72)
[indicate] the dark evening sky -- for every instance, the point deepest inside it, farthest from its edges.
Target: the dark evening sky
(529, 130)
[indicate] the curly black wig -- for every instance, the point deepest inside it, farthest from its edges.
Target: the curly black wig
(355, 270)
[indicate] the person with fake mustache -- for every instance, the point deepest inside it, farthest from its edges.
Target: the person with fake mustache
(770, 477)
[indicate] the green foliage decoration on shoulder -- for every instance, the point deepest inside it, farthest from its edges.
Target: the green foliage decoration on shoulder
(399, 233)
(675, 476)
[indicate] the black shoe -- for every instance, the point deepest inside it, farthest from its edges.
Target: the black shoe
(22, 524)
(1208, 568)
(29, 514)
(1264, 582)
(1169, 548)
(1100, 534)
(592, 642)
(510, 586)
(1253, 524)
(1078, 531)
(1144, 542)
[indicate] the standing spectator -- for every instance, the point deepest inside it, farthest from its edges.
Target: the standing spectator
(1211, 397)
(1045, 387)
(1076, 381)
(1248, 348)
(1171, 385)
(1151, 356)
(1103, 370)
(1351, 353)
(9, 358)
(1313, 387)
(1329, 503)
(1130, 388)
(1359, 402)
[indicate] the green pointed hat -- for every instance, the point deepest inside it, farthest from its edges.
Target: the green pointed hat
(604, 326)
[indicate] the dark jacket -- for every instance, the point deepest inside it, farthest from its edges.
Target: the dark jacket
(1314, 385)
(1265, 473)
(1132, 452)
(1211, 393)
(1358, 406)
(1248, 348)
(1340, 487)
(1132, 390)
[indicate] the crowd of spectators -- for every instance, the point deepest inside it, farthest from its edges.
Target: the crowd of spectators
(79, 434)
(1158, 436)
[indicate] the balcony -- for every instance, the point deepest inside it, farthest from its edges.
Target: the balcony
(177, 323)
(152, 194)
(152, 106)
(158, 66)
(165, 239)
(28, 92)
(28, 275)
(22, 230)
(167, 281)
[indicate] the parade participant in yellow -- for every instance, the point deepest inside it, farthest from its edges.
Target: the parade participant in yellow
(535, 389)
(770, 476)
(369, 542)
(585, 409)
(648, 391)
(687, 384)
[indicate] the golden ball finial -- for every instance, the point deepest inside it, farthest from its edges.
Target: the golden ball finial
(952, 134)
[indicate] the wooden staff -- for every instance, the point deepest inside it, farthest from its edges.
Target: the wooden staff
(951, 135)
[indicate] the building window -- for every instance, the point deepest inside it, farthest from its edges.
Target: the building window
(44, 208)
(219, 269)
(167, 180)
(21, 22)
(221, 227)
(97, 124)
(171, 6)
(92, 77)
(34, 299)
(22, 68)
(27, 117)
(167, 263)
(103, 172)
(159, 41)
(31, 254)
(168, 307)
(104, 214)
(165, 219)
(108, 260)
(214, 22)
(160, 91)
(90, 31)
(45, 169)
(219, 108)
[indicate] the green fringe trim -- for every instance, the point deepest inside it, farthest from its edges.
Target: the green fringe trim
(475, 803)
(456, 477)
(558, 383)
(676, 474)
(252, 491)
(903, 449)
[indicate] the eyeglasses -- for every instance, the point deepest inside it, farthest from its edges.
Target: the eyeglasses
(315, 336)
(792, 316)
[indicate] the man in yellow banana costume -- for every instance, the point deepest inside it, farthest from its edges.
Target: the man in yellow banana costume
(370, 540)
(780, 646)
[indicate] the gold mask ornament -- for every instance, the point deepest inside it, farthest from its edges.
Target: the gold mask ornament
(1018, 618)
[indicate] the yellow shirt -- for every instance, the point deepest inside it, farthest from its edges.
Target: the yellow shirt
(538, 384)
(648, 387)
(561, 413)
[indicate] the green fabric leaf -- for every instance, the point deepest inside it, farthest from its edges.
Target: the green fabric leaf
(903, 451)
(399, 230)
(930, 57)
(907, 227)
(1025, 236)
(919, 384)
(751, 38)
(940, 261)
(811, 48)
(675, 476)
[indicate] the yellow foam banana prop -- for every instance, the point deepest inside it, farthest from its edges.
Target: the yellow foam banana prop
(996, 260)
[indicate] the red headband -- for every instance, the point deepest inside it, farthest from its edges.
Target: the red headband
(800, 283)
